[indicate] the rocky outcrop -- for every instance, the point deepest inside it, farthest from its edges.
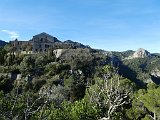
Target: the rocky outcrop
(11, 76)
(149, 80)
(8, 75)
(58, 52)
(141, 53)
(156, 73)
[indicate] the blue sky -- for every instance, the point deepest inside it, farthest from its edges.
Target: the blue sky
(117, 25)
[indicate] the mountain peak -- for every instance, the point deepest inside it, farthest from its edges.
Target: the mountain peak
(141, 53)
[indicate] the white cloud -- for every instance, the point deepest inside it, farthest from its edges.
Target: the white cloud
(12, 34)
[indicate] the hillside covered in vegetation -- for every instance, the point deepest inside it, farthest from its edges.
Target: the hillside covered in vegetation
(79, 84)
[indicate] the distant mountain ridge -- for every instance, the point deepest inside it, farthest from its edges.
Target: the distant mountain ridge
(75, 44)
(2, 43)
(130, 54)
(140, 66)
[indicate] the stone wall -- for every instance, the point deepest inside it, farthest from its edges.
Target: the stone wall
(39, 43)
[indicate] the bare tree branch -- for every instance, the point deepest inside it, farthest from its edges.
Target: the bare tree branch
(108, 94)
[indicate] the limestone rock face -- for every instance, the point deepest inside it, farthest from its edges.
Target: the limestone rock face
(58, 52)
(141, 53)
(156, 73)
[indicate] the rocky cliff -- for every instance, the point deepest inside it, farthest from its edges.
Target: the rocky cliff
(156, 73)
(140, 53)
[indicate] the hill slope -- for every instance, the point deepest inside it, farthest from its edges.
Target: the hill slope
(2, 43)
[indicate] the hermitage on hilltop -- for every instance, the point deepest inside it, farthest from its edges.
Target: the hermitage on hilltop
(39, 43)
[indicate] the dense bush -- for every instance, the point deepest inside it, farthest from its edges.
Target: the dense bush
(81, 84)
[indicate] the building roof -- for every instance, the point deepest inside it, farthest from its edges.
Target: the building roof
(43, 34)
(46, 35)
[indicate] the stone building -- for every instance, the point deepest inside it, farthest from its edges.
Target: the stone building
(39, 43)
